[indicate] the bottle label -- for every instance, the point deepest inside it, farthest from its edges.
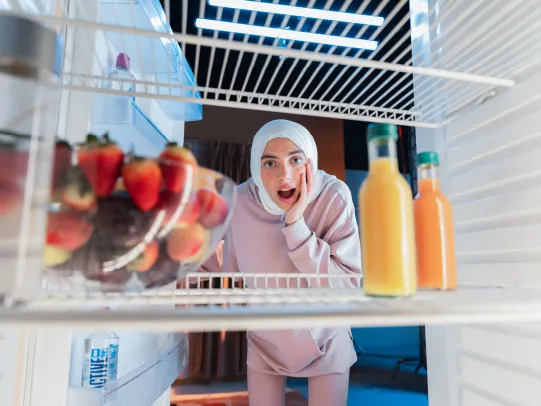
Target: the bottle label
(113, 361)
(100, 366)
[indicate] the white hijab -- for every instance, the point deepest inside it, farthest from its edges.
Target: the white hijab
(297, 134)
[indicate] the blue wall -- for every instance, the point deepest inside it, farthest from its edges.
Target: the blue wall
(392, 341)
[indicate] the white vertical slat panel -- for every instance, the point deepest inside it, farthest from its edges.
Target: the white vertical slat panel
(507, 385)
(475, 397)
(491, 171)
(495, 198)
(493, 177)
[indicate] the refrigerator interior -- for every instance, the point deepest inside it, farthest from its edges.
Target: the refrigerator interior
(149, 361)
(469, 85)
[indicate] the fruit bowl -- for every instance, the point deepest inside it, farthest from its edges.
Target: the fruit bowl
(127, 223)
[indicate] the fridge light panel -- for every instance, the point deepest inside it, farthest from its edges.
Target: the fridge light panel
(285, 34)
(299, 11)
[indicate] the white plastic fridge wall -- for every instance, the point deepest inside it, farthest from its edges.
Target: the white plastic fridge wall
(492, 173)
(41, 368)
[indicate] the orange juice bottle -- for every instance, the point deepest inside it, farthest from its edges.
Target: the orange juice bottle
(436, 257)
(386, 220)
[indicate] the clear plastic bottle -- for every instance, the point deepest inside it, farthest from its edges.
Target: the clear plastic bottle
(115, 108)
(100, 362)
(121, 78)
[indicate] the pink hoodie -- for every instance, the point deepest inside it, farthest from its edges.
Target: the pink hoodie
(325, 241)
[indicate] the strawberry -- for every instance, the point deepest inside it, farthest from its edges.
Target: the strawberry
(142, 178)
(61, 163)
(68, 230)
(147, 258)
(101, 161)
(174, 161)
(76, 193)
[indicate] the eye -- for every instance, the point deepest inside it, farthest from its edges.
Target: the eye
(268, 164)
(296, 160)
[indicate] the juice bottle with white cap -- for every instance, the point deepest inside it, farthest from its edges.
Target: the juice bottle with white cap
(386, 220)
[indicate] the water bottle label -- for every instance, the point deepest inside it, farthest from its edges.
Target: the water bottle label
(100, 366)
(113, 361)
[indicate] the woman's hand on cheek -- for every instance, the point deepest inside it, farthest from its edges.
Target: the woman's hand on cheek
(297, 210)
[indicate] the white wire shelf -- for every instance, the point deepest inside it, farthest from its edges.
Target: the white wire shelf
(267, 301)
(455, 70)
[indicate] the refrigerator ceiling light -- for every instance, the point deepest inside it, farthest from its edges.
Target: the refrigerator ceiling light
(298, 11)
(285, 34)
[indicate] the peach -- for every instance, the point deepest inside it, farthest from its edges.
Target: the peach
(53, 256)
(147, 259)
(214, 208)
(175, 162)
(76, 193)
(187, 243)
(206, 178)
(170, 201)
(68, 230)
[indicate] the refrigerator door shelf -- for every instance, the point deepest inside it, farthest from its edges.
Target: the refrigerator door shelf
(142, 386)
(127, 125)
(160, 57)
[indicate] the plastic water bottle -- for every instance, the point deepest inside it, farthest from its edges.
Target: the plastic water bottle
(114, 108)
(123, 72)
(100, 362)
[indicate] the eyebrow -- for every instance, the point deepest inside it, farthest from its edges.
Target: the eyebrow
(267, 156)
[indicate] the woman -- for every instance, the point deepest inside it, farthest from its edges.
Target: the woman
(291, 217)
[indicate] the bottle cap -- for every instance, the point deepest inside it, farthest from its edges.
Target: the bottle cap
(428, 158)
(123, 61)
(380, 130)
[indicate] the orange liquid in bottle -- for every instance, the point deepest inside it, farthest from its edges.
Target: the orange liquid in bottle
(387, 228)
(436, 257)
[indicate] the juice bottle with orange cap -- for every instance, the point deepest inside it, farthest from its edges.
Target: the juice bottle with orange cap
(386, 220)
(434, 233)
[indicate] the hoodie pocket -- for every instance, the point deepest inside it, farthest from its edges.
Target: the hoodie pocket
(290, 350)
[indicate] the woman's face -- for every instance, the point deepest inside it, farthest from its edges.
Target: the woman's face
(282, 165)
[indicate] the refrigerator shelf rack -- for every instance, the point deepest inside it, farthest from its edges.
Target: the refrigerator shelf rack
(266, 307)
(462, 67)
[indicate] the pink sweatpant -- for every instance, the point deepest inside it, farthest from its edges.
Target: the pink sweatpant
(324, 390)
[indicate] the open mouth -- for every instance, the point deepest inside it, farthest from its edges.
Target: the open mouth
(286, 195)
